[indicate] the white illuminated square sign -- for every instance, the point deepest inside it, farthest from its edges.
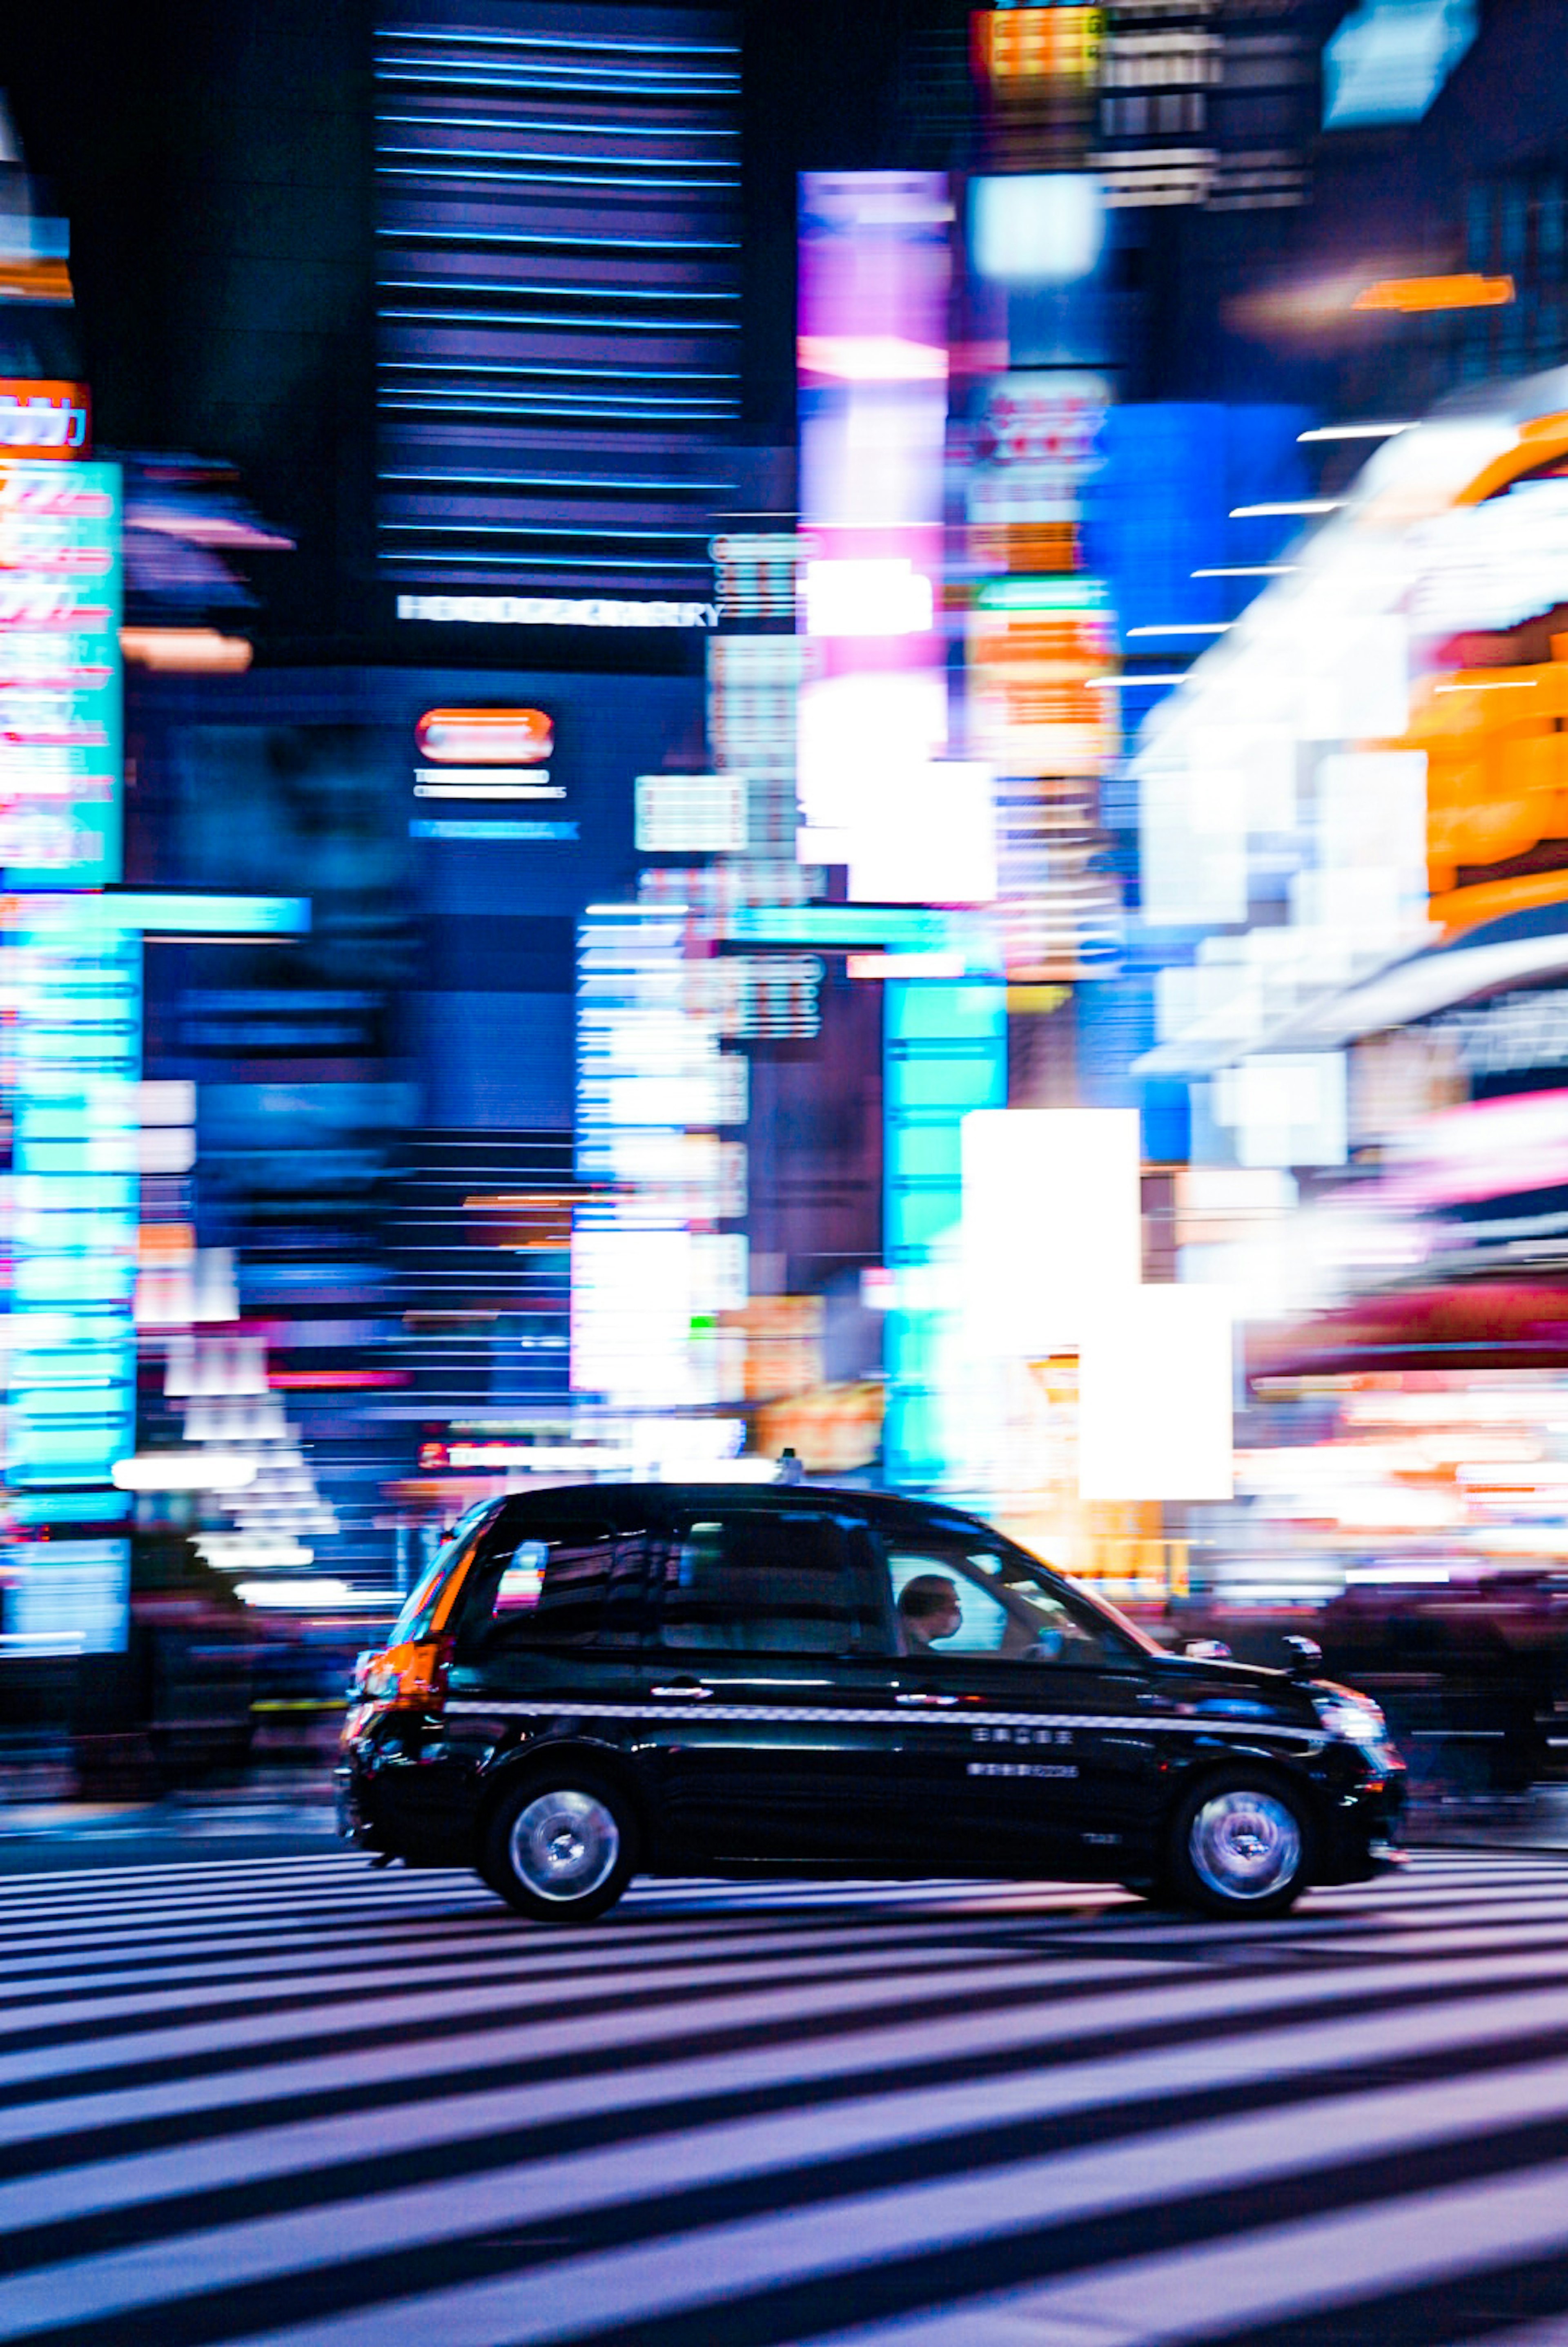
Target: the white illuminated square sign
(1052, 1224)
(867, 597)
(1155, 1397)
(1037, 228)
(928, 836)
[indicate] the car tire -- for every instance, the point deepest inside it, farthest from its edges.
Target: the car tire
(562, 1848)
(1240, 1846)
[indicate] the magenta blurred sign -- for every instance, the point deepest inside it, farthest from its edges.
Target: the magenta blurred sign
(59, 675)
(874, 279)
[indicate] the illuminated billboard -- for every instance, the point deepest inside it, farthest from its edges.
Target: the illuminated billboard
(46, 419)
(558, 309)
(874, 277)
(60, 746)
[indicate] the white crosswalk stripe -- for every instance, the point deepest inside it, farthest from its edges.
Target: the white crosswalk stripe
(296, 2103)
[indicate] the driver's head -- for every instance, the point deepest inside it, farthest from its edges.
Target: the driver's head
(928, 1609)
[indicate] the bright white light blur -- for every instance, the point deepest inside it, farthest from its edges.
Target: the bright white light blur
(1156, 1385)
(1354, 432)
(906, 965)
(1036, 228)
(871, 598)
(1414, 1576)
(1496, 564)
(254, 1551)
(861, 737)
(325, 1596)
(1354, 1720)
(927, 836)
(184, 1471)
(1286, 1108)
(1050, 1223)
(1185, 627)
(482, 784)
(1284, 506)
(631, 1315)
(872, 358)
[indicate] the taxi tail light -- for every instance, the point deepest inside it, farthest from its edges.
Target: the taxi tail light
(409, 1674)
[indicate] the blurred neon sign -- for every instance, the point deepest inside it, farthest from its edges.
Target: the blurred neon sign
(484, 737)
(555, 611)
(59, 675)
(44, 418)
(1414, 294)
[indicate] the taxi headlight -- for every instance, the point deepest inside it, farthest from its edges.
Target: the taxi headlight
(380, 1679)
(1351, 1718)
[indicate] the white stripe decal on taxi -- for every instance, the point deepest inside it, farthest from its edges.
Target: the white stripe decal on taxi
(817, 1714)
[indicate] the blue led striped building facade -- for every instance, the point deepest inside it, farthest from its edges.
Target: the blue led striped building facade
(556, 253)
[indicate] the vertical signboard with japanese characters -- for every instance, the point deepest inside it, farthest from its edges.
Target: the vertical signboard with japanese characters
(60, 725)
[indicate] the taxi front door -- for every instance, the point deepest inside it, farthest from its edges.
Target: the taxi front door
(1029, 1744)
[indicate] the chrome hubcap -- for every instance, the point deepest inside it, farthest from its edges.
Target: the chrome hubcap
(1244, 1845)
(565, 1845)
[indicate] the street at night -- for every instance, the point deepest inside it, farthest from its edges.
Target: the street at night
(784, 1173)
(295, 2100)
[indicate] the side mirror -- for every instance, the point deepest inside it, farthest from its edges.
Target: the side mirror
(1304, 1655)
(1205, 1650)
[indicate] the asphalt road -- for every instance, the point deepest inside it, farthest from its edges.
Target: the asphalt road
(287, 2099)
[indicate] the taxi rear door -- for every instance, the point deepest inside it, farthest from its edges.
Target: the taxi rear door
(767, 1707)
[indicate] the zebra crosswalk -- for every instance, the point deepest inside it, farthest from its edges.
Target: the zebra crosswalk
(297, 2103)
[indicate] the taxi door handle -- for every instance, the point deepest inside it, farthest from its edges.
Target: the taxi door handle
(690, 1691)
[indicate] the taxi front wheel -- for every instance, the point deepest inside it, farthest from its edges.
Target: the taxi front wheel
(561, 1850)
(1238, 1846)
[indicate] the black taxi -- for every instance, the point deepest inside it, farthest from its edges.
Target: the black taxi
(594, 1682)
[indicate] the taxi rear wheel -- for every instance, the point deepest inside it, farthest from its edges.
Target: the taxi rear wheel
(1239, 1847)
(560, 1850)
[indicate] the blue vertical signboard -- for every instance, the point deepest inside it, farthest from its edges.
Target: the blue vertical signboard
(944, 1053)
(74, 1061)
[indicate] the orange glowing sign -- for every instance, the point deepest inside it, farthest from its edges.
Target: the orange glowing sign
(1497, 788)
(484, 737)
(1416, 293)
(187, 650)
(1040, 44)
(1041, 703)
(44, 418)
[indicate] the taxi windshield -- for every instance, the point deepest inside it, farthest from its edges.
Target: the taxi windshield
(419, 1605)
(1025, 1577)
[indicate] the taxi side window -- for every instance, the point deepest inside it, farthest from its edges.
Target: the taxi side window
(759, 1580)
(562, 1584)
(963, 1599)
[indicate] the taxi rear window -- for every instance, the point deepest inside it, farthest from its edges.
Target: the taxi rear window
(575, 1582)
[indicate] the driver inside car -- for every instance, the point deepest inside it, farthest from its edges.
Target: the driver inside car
(929, 1609)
